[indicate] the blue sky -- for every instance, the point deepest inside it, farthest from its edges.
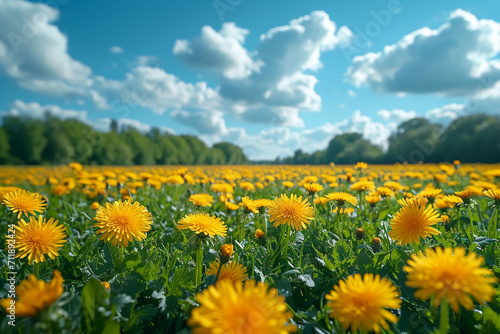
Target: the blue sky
(270, 76)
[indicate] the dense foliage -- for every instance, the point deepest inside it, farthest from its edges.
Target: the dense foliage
(28, 141)
(471, 139)
(150, 285)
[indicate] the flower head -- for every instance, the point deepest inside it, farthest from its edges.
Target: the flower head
(362, 302)
(494, 194)
(413, 221)
(340, 198)
(373, 199)
(204, 224)
(231, 206)
(290, 210)
(36, 238)
(464, 195)
(122, 222)
(24, 202)
(444, 273)
(430, 194)
(363, 185)
(250, 308)
(249, 205)
(232, 271)
(313, 188)
(259, 234)
(35, 295)
(204, 200)
(95, 206)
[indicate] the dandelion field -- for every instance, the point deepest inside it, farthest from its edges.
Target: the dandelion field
(251, 249)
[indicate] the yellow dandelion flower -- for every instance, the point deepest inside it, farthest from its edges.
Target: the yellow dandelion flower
(430, 194)
(95, 206)
(106, 285)
(373, 199)
(343, 210)
(363, 185)
(248, 186)
(249, 205)
(413, 222)
(262, 203)
(37, 237)
(259, 233)
(204, 224)
(292, 211)
(494, 194)
(452, 275)
(232, 271)
(122, 222)
(361, 165)
(287, 184)
(385, 192)
(464, 195)
(312, 188)
(204, 200)
(24, 202)
(5, 190)
(250, 308)
(340, 198)
(419, 201)
(35, 295)
(362, 303)
(231, 206)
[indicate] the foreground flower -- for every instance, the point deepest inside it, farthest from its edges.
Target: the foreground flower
(373, 199)
(122, 222)
(291, 211)
(363, 185)
(341, 198)
(203, 223)
(36, 238)
(455, 277)
(361, 303)
(494, 194)
(249, 205)
(250, 308)
(232, 271)
(35, 295)
(23, 202)
(313, 188)
(413, 221)
(204, 200)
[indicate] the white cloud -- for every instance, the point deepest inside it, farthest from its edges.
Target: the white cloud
(456, 58)
(397, 115)
(210, 122)
(156, 89)
(34, 52)
(445, 114)
(37, 111)
(145, 60)
(269, 83)
(351, 93)
(116, 49)
(221, 52)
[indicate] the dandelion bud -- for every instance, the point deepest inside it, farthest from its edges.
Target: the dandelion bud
(377, 244)
(106, 285)
(94, 206)
(360, 233)
(445, 219)
(259, 234)
(225, 253)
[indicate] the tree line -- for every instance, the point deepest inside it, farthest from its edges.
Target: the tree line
(27, 141)
(473, 138)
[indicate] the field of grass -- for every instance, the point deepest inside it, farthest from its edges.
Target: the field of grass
(149, 261)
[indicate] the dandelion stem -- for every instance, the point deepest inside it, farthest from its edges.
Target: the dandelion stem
(36, 269)
(199, 262)
(444, 315)
(471, 237)
(120, 256)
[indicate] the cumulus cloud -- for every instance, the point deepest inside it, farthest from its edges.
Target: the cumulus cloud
(397, 115)
(445, 114)
(156, 89)
(34, 51)
(271, 82)
(454, 59)
(37, 111)
(219, 51)
(206, 122)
